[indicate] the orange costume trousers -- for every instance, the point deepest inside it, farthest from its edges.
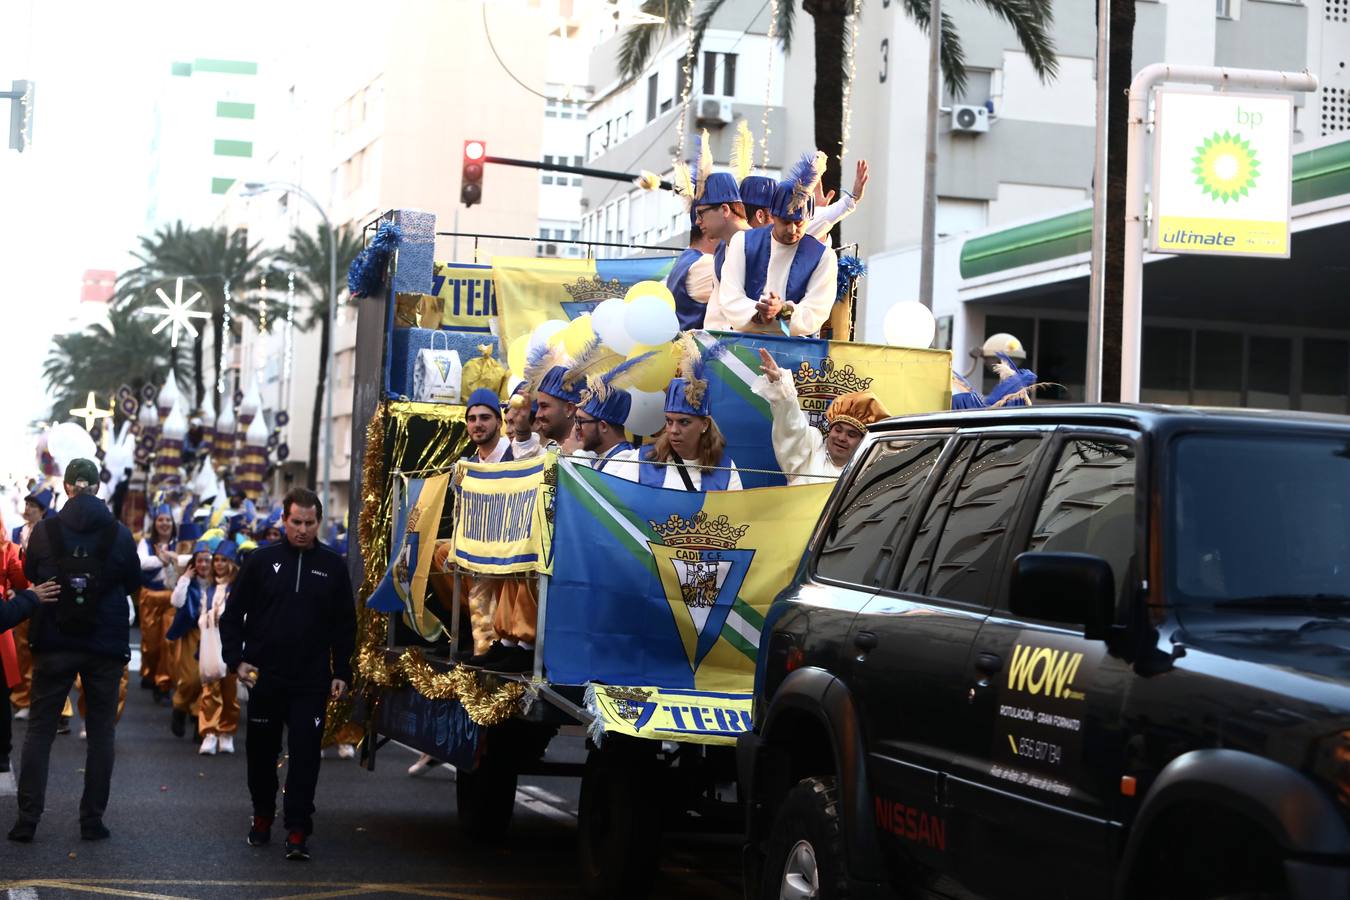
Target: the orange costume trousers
(22, 695)
(219, 712)
(188, 679)
(156, 617)
(517, 612)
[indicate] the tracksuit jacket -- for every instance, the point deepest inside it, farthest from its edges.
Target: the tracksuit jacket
(292, 614)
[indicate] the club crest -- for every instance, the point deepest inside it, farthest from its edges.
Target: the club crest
(701, 572)
(588, 293)
(631, 704)
(818, 387)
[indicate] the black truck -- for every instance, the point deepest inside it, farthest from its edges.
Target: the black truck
(1071, 651)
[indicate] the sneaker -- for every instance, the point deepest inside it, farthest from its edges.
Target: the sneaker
(23, 832)
(424, 762)
(488, 657)
(260, 831)
(22, 713)
(84, 733)
(63, 726)
(295, 846)
(346, 751)
(94, 831)
(210, 744)
(227, 743)
(178, 724)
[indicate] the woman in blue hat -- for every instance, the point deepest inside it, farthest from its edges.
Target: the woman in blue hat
(218, 706)
(690, 454)
(159, 573)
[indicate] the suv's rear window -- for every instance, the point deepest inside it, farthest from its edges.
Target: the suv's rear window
(1260, 521)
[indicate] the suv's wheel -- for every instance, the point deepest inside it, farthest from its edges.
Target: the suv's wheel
(619, 822)
(486, 798)
(805, 856)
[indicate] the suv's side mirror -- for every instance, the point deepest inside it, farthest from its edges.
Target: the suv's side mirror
(1073, 588)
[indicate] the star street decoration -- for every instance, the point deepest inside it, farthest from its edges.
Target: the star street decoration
(176, 312)
(90, 413)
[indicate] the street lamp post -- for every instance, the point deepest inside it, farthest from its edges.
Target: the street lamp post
(252, 189)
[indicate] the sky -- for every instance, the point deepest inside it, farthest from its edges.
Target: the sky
(76, 199)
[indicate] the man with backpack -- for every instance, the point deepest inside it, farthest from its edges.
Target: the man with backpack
(84, 632)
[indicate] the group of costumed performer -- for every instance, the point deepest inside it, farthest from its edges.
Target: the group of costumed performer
(771, 234)
(203, 688)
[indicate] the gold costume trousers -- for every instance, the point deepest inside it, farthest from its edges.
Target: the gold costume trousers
(188, 691)
(156, 616)
(517, 611)
(219, 713)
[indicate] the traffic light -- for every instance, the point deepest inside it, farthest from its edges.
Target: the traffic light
(471, 184)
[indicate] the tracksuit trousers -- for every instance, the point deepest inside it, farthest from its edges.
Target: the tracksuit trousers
(301, 714)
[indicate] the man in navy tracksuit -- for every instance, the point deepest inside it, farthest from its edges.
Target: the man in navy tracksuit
(289, 630)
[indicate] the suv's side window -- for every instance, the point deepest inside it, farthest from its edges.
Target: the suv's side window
(863, 537)
(984, 505)
(1089, 506)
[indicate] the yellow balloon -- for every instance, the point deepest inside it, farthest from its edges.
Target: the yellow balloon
(650, 289)
(574, 338)
(515, 355)
(655, 374)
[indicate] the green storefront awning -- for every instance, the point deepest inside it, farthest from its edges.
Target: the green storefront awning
(1317, 174)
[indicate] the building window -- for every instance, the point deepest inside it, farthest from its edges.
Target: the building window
(709, 72)
(576, 234)
(729, 74)
(550, 108)
(651, 98)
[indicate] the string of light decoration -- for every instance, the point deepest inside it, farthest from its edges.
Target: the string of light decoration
(686, 95)
(224, 339)
(852, 66)
(262, 307)
(768, 87)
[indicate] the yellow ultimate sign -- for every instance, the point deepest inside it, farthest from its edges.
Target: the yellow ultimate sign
(1221, 174)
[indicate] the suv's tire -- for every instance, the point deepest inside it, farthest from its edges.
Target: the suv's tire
(619, 823)
(486, 798)
(805, 855)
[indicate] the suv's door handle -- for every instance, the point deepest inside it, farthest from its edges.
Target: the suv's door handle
(988, 663)
(865, 640)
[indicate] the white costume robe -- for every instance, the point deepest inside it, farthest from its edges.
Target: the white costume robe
(797, 445)
(809, 314)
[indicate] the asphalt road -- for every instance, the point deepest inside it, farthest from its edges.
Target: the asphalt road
(179, 819)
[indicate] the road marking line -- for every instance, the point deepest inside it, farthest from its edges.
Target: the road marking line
(116, 892)
(26, 893)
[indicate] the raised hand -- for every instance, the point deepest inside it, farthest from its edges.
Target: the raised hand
(769, 366)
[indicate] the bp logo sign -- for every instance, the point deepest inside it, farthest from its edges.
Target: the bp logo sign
(1226, 167)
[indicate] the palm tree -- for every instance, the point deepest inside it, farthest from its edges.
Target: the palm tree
(105, 356)
(307, 257)
(1030, 20)
(1120, 71)
(206, 259)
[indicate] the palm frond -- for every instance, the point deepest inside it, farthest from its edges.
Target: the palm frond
(1031, 21)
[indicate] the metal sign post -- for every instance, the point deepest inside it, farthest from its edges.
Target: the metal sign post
(1140, 91)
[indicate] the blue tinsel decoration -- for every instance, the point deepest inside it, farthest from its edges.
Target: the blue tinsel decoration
(850, 268)
(366, 275)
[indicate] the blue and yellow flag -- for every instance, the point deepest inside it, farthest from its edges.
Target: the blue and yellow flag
(501, 524)
(905, 381)
(532, 291)
(404, 585)
(668, 588)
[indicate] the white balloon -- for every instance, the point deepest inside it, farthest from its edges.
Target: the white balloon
(607, 320)
(649, 321)
(69, 441)
(909, 324)
(648, 413)
(545, 330)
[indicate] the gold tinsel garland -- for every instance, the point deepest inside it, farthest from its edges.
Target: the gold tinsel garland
(485, 707)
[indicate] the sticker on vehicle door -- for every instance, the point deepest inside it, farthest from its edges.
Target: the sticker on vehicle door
(1038, 733)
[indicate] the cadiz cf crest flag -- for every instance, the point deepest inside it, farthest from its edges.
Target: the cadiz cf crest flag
(664, 588)
(532, 291)
(404, 585)
(905, 381)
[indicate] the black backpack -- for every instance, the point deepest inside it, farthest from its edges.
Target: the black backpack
(81, 576)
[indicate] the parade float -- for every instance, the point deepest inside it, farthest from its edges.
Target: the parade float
(650, 601)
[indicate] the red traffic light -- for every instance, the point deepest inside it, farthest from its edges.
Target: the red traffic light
(471, 182)
(474, 150)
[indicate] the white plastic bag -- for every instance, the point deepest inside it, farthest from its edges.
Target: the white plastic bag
(438, 373)
(211, 653)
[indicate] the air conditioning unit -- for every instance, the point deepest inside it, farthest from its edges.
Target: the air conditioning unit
(714, 111)
(970, 118)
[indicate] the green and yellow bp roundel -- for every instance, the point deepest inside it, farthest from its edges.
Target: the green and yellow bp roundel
(1226, 167)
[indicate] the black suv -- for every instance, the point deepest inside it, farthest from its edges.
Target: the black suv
(1064, 652)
